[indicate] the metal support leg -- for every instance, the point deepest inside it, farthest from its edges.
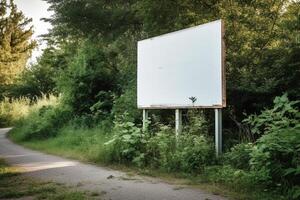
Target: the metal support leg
(178, 122)
(145, 118)
(218, 131)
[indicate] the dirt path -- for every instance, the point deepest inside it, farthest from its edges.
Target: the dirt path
(112, 184)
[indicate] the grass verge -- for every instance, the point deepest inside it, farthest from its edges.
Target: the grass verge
(15, 186)
(87, 145)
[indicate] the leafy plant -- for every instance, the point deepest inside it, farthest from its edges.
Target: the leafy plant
(239, 156)
(13, 110)
(278, 153)
(284, 114)
(198, 123)
(128, 143)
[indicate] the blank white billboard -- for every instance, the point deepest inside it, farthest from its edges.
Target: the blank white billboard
(183, 69)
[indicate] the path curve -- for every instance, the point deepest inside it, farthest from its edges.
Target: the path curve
(112, 184)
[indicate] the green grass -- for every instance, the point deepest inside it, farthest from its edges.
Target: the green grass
(12, 111)
(79, 143)
(14, 185)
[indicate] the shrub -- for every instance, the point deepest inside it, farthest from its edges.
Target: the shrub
(187, 153)
(160, 149)
(51, 119)
(194, 153)
(128, 143)
(222, 174)
(239, 156)
(13, 110)
(278, 153)
(127, 103)
(43, 120)
(284, 114)
(198, 123)
(89, 82)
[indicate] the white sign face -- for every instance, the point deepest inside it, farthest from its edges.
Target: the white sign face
(183, 69)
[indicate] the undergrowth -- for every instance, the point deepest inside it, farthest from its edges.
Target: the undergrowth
(270, 166)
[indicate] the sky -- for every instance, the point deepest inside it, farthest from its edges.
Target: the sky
(36, 9)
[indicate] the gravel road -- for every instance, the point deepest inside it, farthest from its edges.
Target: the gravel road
(111, 184)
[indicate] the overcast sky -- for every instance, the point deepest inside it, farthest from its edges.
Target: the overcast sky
(36, 9)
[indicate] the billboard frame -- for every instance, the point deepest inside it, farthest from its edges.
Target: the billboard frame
(223, 76)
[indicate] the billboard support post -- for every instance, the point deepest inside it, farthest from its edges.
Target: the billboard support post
(184, 69)
(145, 119)
(218, 131)
(178, 122)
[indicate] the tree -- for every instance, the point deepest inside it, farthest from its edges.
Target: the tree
(262, 54)
(16, 44)
(89, 81)
(40, 78)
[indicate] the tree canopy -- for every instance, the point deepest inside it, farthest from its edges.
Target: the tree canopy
(262, 54)
(16, 42)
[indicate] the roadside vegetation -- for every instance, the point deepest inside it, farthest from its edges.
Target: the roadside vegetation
(15, 186)
(264, 169)
(79, 99)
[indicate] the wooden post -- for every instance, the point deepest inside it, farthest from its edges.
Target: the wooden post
(218, 131)
(178, 122)
(145, 118)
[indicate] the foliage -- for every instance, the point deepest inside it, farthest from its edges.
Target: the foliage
(239, 156)
(13, 110)
(193, 153)
(273, 160)
(39, 79)
(261, 61)
(126, 103)
(128, 143)
(160, 148)
(47, 122)
(88, 82)
(44, 120)
(33, 83)
(284, 114)
(187, 153)
(92, 64)
(16, 109)
(277, 154)
(15, 41)
(198, 123)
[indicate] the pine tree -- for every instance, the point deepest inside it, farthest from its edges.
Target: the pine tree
(16, 43)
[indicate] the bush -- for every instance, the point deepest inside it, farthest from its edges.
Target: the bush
(273, 161)
(198, 123)
(194, 152)
(128, 143)
(43, 120)
(188, 153)
(89, 82)
(13, 110)
(278, 154)
(239, 156)
(34, 82)
(284, 114)
(277, 150)
(126, 103)
(160, 149)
